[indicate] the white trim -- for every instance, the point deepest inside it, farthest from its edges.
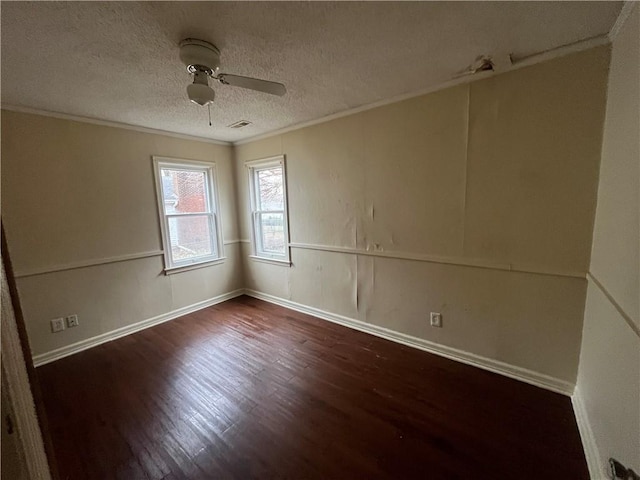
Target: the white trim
(110, 123)
(511, 371)
(105, 261)
(627, 318)
(194, 266)
(553, 53)
(15, 380)
(528, 61)
(531, 60)
(597, 469)
(517, 64)
(252, 167)
(264, 162)
(528, 376)
(62, 352)
(88, 263)
(461, 261)
(183, 163)
(403, 256)
(274, 261)
(535, 270)
(624, 14)
(213, 213)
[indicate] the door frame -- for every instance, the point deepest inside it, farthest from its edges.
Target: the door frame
(20, 380)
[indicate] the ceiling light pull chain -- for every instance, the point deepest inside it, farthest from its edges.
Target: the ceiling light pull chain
(209, 106)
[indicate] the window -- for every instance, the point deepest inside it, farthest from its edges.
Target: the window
(270, 226)
(188, 218)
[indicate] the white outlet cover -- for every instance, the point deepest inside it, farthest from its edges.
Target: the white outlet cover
(72, 321)
(436, 319)
(57, 325)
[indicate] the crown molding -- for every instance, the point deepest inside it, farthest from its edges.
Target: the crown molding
(624, 14)
(109, 123)
(517, 64)
(536, 58)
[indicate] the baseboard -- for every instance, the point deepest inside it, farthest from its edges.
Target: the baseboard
(511, 371)
(596, 468)
(59, 353)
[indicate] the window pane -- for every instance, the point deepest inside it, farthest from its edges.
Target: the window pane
(184, 191)
(271, 226)
(190, 237)
(270, 189)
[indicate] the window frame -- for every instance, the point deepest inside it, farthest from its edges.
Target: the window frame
(213, 214)
(253, 167)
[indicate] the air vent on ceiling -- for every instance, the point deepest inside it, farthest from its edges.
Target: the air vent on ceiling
(240, 124)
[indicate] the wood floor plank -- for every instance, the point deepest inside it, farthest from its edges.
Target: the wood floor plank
(250, 390)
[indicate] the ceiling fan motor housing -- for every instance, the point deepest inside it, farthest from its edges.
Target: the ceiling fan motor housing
(199, 55)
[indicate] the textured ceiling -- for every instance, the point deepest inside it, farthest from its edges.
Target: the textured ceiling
(118, 61)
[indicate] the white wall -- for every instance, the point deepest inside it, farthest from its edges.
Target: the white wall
(608, 386)
(476, 201)
(81, 194)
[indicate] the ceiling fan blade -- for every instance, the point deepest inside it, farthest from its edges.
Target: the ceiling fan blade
(265, 86)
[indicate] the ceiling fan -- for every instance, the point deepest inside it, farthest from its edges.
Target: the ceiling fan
(203, 62)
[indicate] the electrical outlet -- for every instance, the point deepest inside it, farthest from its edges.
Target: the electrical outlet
(72, 321)
(436, 319)
(57, 325)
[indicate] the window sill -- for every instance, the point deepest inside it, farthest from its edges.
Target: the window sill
(274, 261)
(186, 268)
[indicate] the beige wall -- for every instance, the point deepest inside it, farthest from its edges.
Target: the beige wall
(76, 193)
(501, 173)
(609, 375)
(476, 201)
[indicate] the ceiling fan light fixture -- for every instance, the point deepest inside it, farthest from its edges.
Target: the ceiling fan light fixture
(200, 94)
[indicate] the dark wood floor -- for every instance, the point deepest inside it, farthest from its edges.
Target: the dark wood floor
(246, 389)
